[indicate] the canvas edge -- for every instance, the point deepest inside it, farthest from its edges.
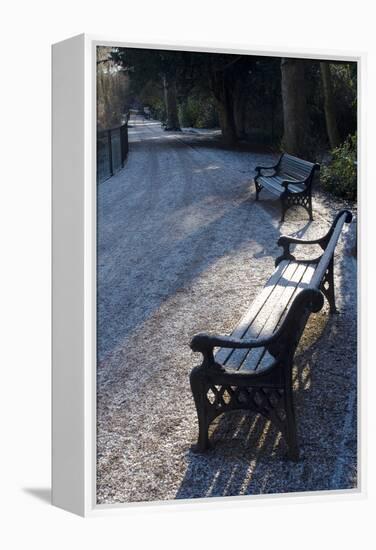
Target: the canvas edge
(87, 463)
(68, 98)
(73, 411)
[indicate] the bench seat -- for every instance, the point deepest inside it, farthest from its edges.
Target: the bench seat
(265, 315)
(274, 184)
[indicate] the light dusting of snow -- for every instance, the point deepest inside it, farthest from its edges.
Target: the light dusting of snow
(183, 247)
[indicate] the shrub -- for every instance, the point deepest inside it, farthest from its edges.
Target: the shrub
(340, 175)
(198, 112)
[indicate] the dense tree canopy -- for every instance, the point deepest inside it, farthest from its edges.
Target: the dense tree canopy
(306, 107)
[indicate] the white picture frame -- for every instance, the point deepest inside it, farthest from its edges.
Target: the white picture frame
(74, 275)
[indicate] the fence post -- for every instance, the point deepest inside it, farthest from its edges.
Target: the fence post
(110, 152)
(122, 145)
(107, 145)
(124, 142)
(126, 139)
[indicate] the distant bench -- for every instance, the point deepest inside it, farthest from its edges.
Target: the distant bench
(291, 180)
(252, 370)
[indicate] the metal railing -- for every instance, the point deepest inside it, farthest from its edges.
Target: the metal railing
(112, 150)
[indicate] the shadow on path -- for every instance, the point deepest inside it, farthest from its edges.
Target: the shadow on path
(248, 454)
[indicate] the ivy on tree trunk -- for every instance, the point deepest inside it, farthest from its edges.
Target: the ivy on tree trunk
(222, 88)
(295, 112)
(169, 85)
(329, 106)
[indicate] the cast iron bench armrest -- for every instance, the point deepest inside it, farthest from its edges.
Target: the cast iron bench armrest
(285, 241)
(274, 167)
(205, 342)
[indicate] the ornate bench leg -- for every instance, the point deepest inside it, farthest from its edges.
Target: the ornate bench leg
(258, 188)
(198, 387)
(327, 287)
(291, 436)
(303, 199)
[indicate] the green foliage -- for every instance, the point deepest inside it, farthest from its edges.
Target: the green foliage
(340, 175)
(198, 112)
(151, 95)
(242, 94)
(344, 78)
(157, 109)
(112, 86)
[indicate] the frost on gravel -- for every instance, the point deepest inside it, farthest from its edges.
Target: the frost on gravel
(183, 248)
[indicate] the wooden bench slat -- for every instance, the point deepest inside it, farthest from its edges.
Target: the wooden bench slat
(291, 173)
(276, 183)
(296, 163)
(266, 320)
(263, 325)
(297, 159)
(296, 167)
(254, 329)
(301, 279)
(273, 188)
(258, 361)
(289, 159)
(258, 319)
(252, 312)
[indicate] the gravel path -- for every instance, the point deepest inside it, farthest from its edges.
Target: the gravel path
(183, 248)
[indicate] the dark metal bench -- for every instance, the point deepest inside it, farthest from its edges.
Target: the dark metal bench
(291, 180)
(252, 369)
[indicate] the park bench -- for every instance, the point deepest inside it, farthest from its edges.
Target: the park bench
(252, 369)
(291, 181)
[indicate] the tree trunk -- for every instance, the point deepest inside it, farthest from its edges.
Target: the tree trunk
(222, 91)
(227, 124)
(329, 107)
(239, 109)
(295, 113)
(169, 85)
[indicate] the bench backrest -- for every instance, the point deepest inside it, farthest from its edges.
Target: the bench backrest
(311, 299)
(335, 231)
(295, 167)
